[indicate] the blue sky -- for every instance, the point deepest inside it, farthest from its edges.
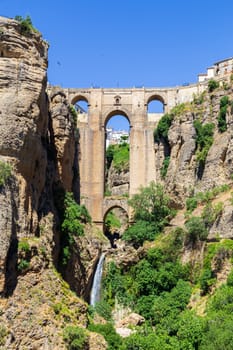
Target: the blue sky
(128, 43)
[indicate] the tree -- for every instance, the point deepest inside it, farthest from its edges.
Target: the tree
(151, 213)
(139, 232)
(212, 85)
(151, 204)
(75, 337)
(196, 229)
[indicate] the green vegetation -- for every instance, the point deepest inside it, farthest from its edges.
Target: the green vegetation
(212, 85)
(26, 26)
(199, 99)
(23, 246)
(204, 139)
(161, 132)
(159, 287)
(204, 197)
(112, 222)
(196, 229)
(73, 112)
(222, 124)
(75, 338)
(24, 255)
(163, 170)
(5, 172)
(74, 218)
(108, 331)
(23, 265)
(3, 334)
(211, 213)
(118, 156)
(191, 204)
(151, 213)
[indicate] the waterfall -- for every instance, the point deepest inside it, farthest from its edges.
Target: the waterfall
(96, 286)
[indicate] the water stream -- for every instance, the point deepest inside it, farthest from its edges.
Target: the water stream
(95, 291)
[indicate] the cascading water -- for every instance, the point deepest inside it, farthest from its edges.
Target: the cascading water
(95, 291)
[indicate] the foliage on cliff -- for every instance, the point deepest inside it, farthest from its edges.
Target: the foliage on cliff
(26, 26)
(118, 156)
(74, 218)
(5, 172)
(151, 213)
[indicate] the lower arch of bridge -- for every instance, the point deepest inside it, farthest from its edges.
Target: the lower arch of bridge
(114, 233)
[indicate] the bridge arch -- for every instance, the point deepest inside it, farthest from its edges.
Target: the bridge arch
(111, 113)
(80, 98)
(155, 97)
(115, 222)
(157, 102)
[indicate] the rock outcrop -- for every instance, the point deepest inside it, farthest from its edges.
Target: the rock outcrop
(39, 150)
(118, 181)
(183, 175)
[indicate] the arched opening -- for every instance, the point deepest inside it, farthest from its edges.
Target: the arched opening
(115, 223)
(155, 105)
(117, 153)
(81, 105)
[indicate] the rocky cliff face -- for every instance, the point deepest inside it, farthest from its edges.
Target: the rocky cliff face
(183, 176)
(39, 145)
(118, 181)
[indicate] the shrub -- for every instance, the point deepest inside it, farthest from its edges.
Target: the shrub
(191, 204)
(210, 213)
(103, 309)
(23, 265)
(204, 139)
(74, 216)
(166, 308)
(199, 99)
(179, 109)
(26, 26)
(108, 331)
(112, 222)
(196, 229)
(3, 334)
(118, 156)
(24, 246)
(222, 125)
(161, 132)
(75, 337)
(212, 85)
(190, 330)
(163, 170)
(73, 112)
(230, 279)
(139, 232)
(151, 204)
(206, 280)
(5, 172)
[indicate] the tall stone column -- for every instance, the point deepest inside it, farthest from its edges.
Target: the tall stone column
(92, 144)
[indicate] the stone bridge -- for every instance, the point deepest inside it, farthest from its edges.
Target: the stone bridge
(133, 104)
